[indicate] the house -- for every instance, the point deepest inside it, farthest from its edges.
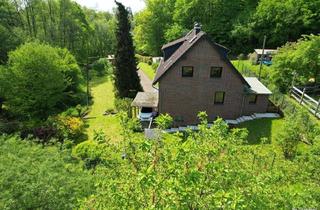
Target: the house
(268, 53)
(195, 75)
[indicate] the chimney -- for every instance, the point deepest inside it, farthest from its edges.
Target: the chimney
(197, 27)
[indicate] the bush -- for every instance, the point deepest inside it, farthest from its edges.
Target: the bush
(90, 152)
(9, 127)
(102, 67)
(123, 105)
(164, 121)
(37, 177)
(130, 124)
(78, 111)
(40, 80)
(144, 59)
(242, 57)
(134, 124)
(45, 134)
(67, 126)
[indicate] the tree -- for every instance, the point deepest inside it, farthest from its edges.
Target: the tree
(297, 63)
(151, 25)
(2, 86)
(39, 77)
(37, 177)
(127, 82)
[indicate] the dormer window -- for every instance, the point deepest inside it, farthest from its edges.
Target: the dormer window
(215, 72)
(187, 71)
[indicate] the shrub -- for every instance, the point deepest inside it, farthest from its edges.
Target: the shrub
(40, 80)
(134, 124)
(37, 177)
(67, 126)
(123, 105)
(77, 111)
(144, 59)
(102, 67)
(44, 134)
(129, 124)
(99, 136)
(90, 152)
(242, 57)
(164, 121)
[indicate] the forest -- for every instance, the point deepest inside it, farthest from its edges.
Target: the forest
(68, 139)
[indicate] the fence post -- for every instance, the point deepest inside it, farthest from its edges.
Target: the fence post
(301, 100)
(317, 109)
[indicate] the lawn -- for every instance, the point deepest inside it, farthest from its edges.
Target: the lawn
(103, 99)
(248, 69)
(147, 69)
(263, 128)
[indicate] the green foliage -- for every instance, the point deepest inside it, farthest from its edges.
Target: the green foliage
(36, 177)
(289, 139)
(209, 169)
(102, 67)
(143, 59)
(127, 82)
(35, 81)
(68, 127)
(297, 63)
(40, 80)
(164, 121)
(298, 127)
(239, 25)
(64, 23)
(151, 25)
(90, 152)
(123, 105)
(129, 124)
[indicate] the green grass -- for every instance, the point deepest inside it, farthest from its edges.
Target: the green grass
(260, 128)
(246, 68)
(147, 69)
(103, 99)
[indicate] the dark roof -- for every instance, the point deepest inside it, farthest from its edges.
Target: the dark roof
(182, 39)
(188, 41)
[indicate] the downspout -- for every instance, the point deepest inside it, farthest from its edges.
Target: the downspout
(157, 89)
(243, 100)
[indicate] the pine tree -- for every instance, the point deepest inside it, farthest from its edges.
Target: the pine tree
(127, 81)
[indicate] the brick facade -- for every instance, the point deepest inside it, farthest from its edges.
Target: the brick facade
(184, 97)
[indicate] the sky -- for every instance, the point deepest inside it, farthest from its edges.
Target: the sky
(107, 5)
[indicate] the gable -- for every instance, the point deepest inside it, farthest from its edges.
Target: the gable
(209, 50)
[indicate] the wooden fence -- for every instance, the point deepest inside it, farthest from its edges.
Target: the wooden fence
(305, 100)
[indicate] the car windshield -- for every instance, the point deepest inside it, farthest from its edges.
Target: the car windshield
(146, 110)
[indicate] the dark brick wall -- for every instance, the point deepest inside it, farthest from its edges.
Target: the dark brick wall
(184, 97)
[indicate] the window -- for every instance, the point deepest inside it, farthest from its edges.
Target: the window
(187, 71)
(219, 97)
(215, 72)
(252, 99)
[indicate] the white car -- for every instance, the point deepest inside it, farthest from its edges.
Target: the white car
(146, 113)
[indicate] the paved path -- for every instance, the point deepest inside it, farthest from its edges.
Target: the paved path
(146, 83)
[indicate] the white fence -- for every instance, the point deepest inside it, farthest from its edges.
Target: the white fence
(311, 104)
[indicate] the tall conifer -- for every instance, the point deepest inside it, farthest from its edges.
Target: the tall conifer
(127, 81)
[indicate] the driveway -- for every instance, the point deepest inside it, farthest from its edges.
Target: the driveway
(145, 82)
